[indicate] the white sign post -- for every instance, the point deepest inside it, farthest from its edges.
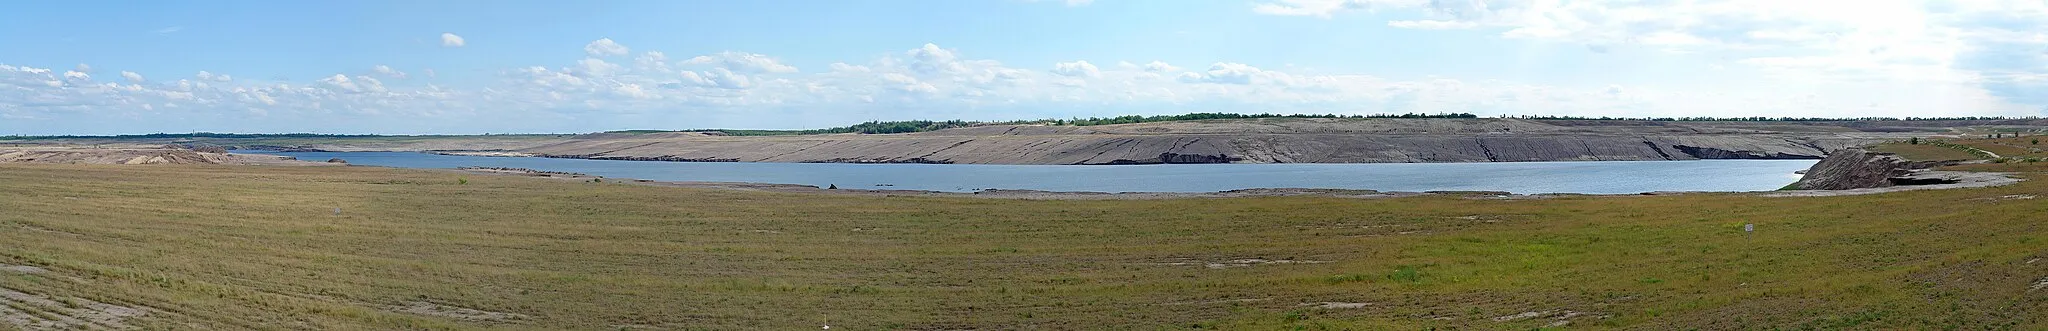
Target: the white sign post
(1747, 229)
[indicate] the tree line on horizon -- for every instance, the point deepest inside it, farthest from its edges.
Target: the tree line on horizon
(1766, 119)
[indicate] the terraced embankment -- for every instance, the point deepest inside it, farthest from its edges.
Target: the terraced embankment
(1248, 141)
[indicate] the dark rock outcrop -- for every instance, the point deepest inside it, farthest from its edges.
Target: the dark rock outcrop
(1172, 158)
(1710, 153)
(1856, 168)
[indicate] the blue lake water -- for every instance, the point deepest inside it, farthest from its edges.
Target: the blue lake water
(1603, 177)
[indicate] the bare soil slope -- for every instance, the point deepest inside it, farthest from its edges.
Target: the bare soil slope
(131, 154)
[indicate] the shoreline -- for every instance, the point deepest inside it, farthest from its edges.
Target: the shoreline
(1965, 180)
(1960, 180)
(513, 154)
(508, 153)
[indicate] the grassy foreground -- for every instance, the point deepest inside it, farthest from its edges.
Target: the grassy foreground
(261, 248)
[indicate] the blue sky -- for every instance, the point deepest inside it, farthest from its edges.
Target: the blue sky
(104, 67)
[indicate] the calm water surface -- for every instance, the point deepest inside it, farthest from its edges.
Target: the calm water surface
(1605, 177)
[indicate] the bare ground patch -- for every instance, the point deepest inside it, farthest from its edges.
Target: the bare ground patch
(40, 312)
(1233, 263)
(466, 314)
(25, 269)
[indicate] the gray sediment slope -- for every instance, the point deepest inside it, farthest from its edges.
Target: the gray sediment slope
(1857, 171)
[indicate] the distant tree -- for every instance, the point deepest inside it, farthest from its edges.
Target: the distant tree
(2037, 141)
(1915, 141)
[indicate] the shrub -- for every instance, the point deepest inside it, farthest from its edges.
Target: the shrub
(1915, 141)
(1406, 274)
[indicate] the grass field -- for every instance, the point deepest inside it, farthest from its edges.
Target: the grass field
(262, 248)
(1925, 151)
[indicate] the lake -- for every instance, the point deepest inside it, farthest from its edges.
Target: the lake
(1599, 177)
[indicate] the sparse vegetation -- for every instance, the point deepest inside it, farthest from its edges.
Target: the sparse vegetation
(259, 247)
(1927, 150)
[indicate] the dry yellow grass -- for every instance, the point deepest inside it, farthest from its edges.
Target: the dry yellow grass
(261, 248)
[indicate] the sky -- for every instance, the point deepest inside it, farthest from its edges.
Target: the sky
(519, 66)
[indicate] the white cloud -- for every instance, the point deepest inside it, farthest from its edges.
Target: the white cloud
(1326, 8)
(341, 82)
(1433, 24)
(726, 79)
(743, 62)
(1973, 48)
(1076, 69)
(203, 75)
(931, 59)
(907, 84)
(594, 67)
(930, 81)
(1237, 73)
(1157, 66)
(843, 67)
(82, 68)
(387, 71)
(653, 61)
(604, 47)
(452, 40)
